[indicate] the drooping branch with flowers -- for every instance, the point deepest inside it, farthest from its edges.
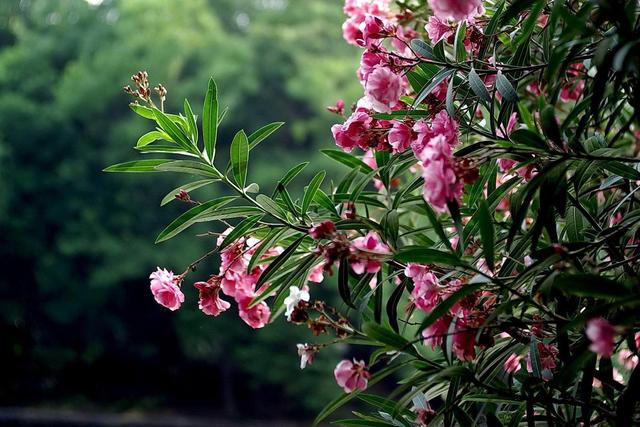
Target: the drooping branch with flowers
(485, 240)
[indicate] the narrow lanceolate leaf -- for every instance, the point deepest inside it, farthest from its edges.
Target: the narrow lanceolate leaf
(445, 305)
(311, 190)
(210, 120)
(286, 198)
(505, 88)
(239, 230)
(347, 159)
(268, 242)
(270, 206)
(263, 133)
(575, 224)
(424, 255)
(392, 305)
(292, 173)
(240, 158)
(536, 366)
(149, 137)
(422, 48)
(174, 131)
(190, 217)
(278, 262)
(343, 283)
(485, 221)
(190, 167)
(437, 79)
(478, 87)
(191, 122)
(148, 165)
(591, 285)
(171, 195)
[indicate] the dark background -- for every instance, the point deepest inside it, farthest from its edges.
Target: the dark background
(78, 326)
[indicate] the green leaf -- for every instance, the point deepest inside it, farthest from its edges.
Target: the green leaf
(148, 165)
(422, 48)
(478, 87)
(190, 217)
(310, 192)
(392, 305)
(263, 133)
(437, 79)
(191, 167)
(174, 131)
(269, 241)
(424, 255)
(292, 173)
(210, 121)
(239, 230)
(621, 169)
(458, 43)
(550, 124)
(277, 263)
(143, 111)
(536, 365)
(442, 308)
(270, 206)
(506, 89)
(323, 200)
(149, 137)
(387, 337)
(191, 122)
(347, 159)
(171, 195)
(286, 198)
(591, 285)
(240, 158)
(343, 282)
(575, 224)
(485, 221)
(528, 138)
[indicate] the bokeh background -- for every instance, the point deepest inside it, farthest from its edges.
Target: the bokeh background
(79, 330)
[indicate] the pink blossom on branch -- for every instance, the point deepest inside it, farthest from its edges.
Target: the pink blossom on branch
(165, 288)
(400, 136)
(354, 132)
(441, 185)
(438, 29)
(352, 376)
(602, 336)
(383, 89)
(210, 302)
(458, 10)
(364, 251)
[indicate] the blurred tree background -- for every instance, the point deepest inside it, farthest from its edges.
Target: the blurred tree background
(79, 326)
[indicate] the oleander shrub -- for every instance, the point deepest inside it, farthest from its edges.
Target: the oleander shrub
(484, 241)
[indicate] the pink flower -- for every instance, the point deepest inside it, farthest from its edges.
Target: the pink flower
(458, 10)
(351, 30)
(441, 125)
(400, 137)
(353, 132)
(210, 302)
(352, 376)
(441, 184)
(383, 89)
(464, 340)
(438, 29)
(602, 336)
(548, 356)
(369, 61)
(307, 355)
(323, 230)
(165, 289)
(364, 249)
(434, 334)
(256, 316)
(512, 364)
(627, 359)
(316, 274)
(425, 294)
(513, 122)
(373, 28)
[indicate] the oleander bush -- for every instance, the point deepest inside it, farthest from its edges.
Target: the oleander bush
(484, 241)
